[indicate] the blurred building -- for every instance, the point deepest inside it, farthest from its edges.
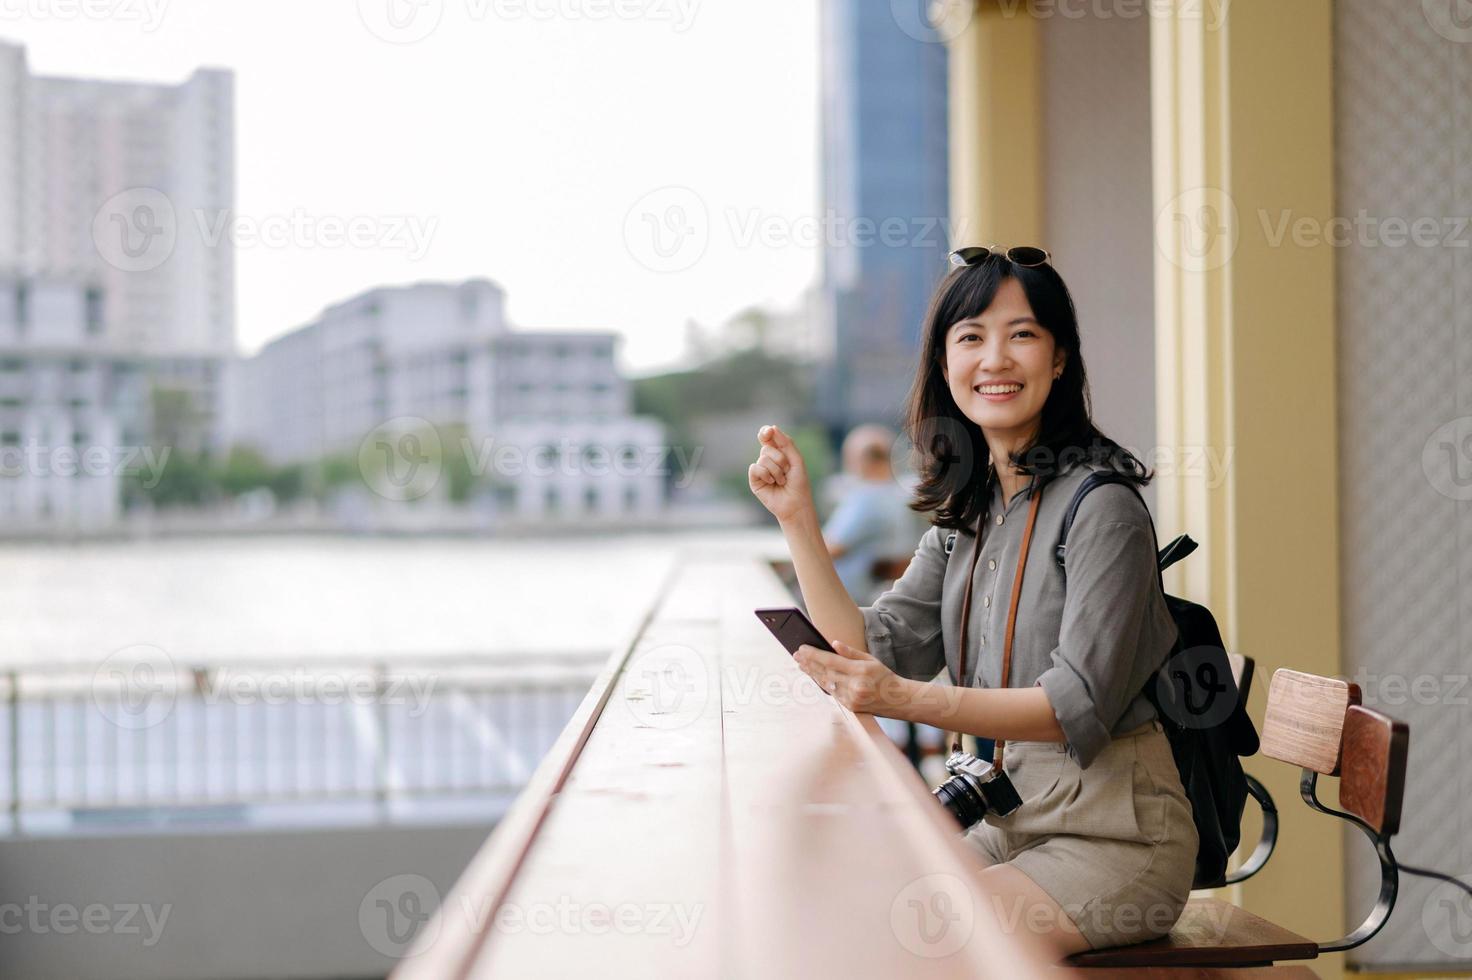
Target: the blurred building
(78, 415)
(112, 287)
(885, 203)
(545, 416)
(119, 184)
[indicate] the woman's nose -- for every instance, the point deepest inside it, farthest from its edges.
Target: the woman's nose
(994, 355)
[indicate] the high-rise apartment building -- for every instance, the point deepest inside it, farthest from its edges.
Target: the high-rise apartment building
(112, 285)
(118, 185)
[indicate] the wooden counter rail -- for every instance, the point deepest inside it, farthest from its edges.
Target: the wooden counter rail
(708, 812)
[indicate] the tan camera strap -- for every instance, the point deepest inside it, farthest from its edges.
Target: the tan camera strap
(1032, 517)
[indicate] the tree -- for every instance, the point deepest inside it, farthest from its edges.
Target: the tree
(244, 469)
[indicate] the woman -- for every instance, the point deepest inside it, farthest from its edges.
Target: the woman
(1102, 850)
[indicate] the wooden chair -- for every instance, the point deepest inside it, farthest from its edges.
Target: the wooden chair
(1314, 723)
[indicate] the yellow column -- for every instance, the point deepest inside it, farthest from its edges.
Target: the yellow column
(995, 123)
(1242, 109)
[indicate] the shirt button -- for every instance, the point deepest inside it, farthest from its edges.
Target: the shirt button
(999, 518)
(991, 564)
(986, 601)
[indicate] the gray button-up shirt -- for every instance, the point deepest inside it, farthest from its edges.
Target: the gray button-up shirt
(1092, 644)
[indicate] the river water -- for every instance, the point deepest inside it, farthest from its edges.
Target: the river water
(207, 600)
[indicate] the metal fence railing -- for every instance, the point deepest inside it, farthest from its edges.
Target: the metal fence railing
(144, 732)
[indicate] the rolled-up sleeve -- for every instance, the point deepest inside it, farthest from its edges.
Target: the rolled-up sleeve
(1113, 628)
(903, 626)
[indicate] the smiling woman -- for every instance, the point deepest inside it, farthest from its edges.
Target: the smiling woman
(1103, 845)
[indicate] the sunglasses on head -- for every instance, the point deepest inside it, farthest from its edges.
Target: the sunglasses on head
(1026, 256)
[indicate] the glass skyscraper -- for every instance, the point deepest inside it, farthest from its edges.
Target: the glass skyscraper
(885, 201)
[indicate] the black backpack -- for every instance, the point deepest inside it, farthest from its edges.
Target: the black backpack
(1199, 706)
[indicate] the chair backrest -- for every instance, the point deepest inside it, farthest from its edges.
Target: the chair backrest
(1304, 723)
(1372, 784)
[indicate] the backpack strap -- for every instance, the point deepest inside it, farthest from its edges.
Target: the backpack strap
(1178, 548)
(1092, 482)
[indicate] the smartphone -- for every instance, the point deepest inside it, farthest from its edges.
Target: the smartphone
(792, 628)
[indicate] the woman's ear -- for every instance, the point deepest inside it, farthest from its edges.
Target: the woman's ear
(1060, 358)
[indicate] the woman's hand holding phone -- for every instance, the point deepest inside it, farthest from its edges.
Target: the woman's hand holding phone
(779, 477)
(856, 679)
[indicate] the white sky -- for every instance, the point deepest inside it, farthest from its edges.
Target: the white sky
(523, 133)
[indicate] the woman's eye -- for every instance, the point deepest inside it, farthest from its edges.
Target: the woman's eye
(1023, 333)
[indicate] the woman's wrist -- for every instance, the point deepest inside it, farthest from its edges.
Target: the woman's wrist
(904, 700)
(932, 703)
(804, 523)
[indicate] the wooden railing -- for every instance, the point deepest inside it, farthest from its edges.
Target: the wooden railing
(709, 812)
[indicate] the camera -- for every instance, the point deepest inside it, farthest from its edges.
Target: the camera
(974, 788)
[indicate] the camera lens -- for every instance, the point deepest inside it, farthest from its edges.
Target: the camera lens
(961, 798)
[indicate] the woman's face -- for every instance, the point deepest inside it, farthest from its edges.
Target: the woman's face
(1001, 364)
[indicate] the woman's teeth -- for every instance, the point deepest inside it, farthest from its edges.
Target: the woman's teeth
(998, 389)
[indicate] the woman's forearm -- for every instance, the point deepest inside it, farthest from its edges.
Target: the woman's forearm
(829, 605)
(1021, 714)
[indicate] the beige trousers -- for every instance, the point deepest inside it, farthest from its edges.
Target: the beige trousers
(1114, 844)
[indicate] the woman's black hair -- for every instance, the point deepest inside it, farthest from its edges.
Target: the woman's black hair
(955, 473)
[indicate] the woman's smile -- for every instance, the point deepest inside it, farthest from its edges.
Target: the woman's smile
(999, 391)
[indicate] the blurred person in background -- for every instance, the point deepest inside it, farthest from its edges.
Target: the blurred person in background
(871, 535)
(872, 526)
